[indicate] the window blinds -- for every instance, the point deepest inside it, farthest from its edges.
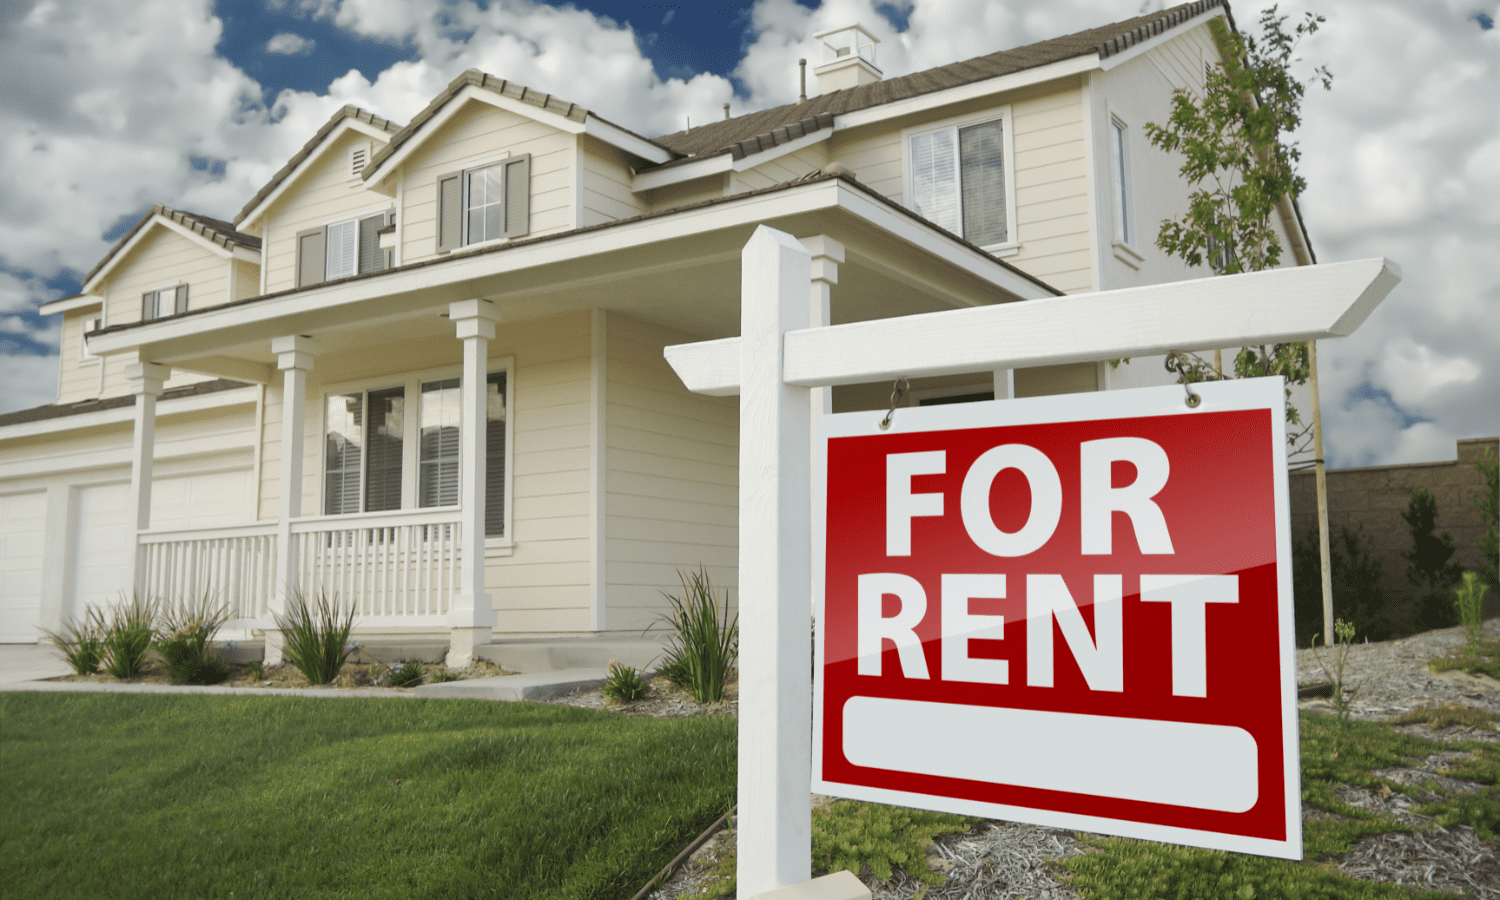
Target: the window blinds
(440, 430)
(982, 157)
(343, 439)
(343, 240)
(494, 455)
(934, 179)
(383, 456)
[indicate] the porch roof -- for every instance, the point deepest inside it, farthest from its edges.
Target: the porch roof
(678, 268)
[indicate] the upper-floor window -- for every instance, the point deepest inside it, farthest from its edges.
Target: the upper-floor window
(1119, 165)
(371, 443)
(90, 323)
(485, 203)
(341, 249)
(164, 302)
(959, 179)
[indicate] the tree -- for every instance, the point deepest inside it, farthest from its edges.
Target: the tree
(1234, 140)
(1489, 510)
(1427, 561)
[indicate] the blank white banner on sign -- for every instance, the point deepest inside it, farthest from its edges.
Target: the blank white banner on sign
(1178, 763)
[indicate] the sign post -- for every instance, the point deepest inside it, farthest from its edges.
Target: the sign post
(777, 359)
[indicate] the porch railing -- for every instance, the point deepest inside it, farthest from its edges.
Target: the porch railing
(399, 568)
(232, 566)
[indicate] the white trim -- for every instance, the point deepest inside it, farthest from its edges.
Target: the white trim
(814, 197)
(140, 236)
(382, 208)
(930, 102)
(619, 137)
(1156, 40)
(750, 161)
(69, 304)
(578, 169)
(84, 356)
(1091, 182)
(702, 168)
(1011, 245)
(115, 415)
(598, 347)
(348, 123)
(1127, 254)
(1122, 226)
(399, 215)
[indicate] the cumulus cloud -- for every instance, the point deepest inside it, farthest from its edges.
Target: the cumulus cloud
(288, 44)
(29, 380)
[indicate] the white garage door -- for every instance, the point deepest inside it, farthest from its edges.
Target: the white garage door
(23, 517)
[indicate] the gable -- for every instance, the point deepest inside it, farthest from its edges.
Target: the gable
(162, 258)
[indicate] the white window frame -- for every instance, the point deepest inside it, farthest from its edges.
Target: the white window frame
(354, 219)
(495, 545)
(97, 321)
(483, 162)
(1121, 192)
(1011, 245)
(157, 292)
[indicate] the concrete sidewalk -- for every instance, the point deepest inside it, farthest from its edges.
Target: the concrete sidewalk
(25, 667)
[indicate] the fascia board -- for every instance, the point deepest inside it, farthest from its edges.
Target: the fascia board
(207, 445)
(458, 101)
(69, 304)
(792, 146)
(140, 236)
(1087, 62)
(655, 178)
(619, 137)
(815, 197)
(245, 254)
(119, 414)
(301, 169)
(1157, 40)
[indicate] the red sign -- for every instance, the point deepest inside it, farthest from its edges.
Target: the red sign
(1071, 611)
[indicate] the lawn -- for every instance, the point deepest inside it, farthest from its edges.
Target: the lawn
(217, 797)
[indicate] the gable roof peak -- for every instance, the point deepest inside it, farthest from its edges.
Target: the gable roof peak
(215, 231)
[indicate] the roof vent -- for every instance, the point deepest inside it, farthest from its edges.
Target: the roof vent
(358, 158)
(847, 58)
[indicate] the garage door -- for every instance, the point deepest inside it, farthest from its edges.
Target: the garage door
(23, 517)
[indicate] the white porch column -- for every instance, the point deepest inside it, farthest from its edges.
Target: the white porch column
(775, 765)
(471, 616)
(1005, 384)
(827, 254)
(294, 357)
(146, 380)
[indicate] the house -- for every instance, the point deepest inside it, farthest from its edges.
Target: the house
(422, 369)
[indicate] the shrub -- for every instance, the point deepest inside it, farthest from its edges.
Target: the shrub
(624, 683)
(317, 636)
(443, 676)
(127, 637)
(1469, 600)
(855, 836)
(408, 674)
(1489, 510)
(183, 643)
(1358, 592)
(81, 643)
(704, 642)
(1427, 560)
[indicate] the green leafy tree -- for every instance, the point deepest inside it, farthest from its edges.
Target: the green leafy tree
(1489, 510)
(1234, 138)
(1427, 561)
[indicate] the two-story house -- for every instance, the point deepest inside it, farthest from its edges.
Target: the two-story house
(422, 370)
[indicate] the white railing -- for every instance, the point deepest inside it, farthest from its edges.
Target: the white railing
(232, 566)
(396, 567)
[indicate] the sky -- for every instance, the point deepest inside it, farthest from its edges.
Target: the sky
(110, 106)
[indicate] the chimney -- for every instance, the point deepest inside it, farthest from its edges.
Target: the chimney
(847, 58)
(802, 64)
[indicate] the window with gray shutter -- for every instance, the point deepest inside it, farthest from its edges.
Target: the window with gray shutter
(311, 257)
(180, 301)
(371, 257)
(450, 214)
(148, 306)
(518, 196)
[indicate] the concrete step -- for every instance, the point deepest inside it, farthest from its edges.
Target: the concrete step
(514, 688)
(560, 654)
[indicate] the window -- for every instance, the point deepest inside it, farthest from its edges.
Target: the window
(1119, 165)
(164, 302)
(369, 445)
(959, 180)
(341, 249)
(485, 203)
(91, 323)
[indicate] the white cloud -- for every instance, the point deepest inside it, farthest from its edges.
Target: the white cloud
(29, 380)
(288, 44)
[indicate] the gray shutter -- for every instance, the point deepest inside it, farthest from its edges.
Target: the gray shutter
(518, 196)
(371, 257)
(179, 305)
(450, 213)
(311, 257)
(146, 299)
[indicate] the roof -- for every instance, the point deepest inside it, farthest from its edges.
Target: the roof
(721, 137)
(59, 410)
(216, 231)
(488, 82)
(347, 112)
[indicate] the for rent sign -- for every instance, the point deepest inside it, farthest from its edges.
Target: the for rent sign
(1071, 611)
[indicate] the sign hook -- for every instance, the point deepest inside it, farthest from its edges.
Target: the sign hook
(1176, 363)
(898, 390)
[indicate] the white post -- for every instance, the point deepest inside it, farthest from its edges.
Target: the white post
(294, 356)
(775, 760)
(827, 254)
(146, 380)
(471, 616)
(1005, 384)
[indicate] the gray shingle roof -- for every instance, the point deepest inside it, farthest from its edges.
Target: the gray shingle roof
(347, 112)
(721, 137)
(216, 230)
(61, 410)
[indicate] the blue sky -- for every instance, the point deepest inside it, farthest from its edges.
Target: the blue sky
(109, 106)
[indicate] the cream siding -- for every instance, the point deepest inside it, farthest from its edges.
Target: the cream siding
(77, 378)
(671, 480)
(607, 196)
(476, 134)
(874, 154)
(246, 279)
(324, 194)
(687, 193)
(544, 584)
(1052, 220)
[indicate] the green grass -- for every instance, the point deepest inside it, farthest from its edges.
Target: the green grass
(218, 797)
(1481, 660)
